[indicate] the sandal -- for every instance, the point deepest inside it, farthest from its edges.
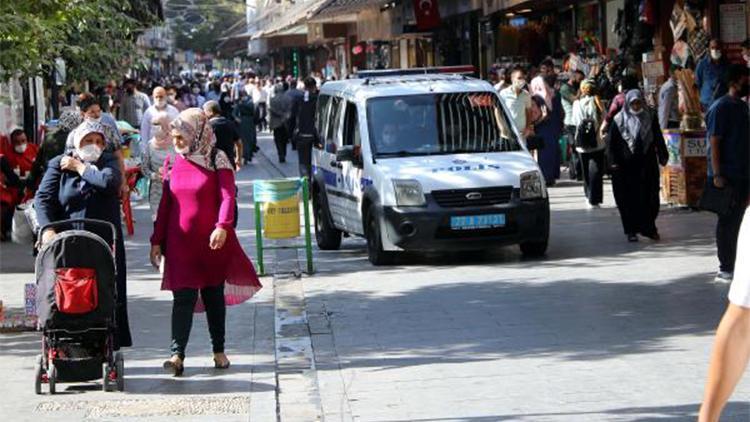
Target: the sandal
(219, 365)
(173, 367)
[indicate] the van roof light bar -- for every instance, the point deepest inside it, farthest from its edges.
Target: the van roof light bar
(454, 70)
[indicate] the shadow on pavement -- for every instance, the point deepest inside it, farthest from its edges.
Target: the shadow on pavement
(575, 320)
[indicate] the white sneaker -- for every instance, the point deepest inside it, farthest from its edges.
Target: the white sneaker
(723, 277)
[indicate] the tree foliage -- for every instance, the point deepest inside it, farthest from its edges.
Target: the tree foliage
(198, 24)
(96, 38)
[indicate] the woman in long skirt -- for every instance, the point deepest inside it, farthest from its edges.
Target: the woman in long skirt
(635, 150)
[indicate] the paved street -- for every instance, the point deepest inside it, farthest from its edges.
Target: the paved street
(600, 330)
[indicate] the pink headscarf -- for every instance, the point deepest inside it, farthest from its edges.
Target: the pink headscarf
(540, 88)
(161, 139)
(193, 125)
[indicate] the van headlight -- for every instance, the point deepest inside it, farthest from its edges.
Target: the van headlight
(532, 186)
(409, 193)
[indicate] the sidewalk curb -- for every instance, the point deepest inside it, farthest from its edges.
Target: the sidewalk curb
(297, 386)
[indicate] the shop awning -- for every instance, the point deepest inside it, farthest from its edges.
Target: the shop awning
(345, 10)
(291, 17)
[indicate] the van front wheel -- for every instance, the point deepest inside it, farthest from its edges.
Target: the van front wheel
(375, 252)
(327, 237)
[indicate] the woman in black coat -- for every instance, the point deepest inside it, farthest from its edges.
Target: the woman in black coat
(85, 183)
(635, 149)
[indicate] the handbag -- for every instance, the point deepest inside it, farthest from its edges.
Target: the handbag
(718, 201)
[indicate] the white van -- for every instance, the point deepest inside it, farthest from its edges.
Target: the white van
(425, 161)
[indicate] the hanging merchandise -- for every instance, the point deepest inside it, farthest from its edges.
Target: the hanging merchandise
(678, 21)
(680, 53)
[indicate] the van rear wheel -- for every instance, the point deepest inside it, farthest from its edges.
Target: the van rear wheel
(375, 252)
(327, 236)
(534, 249)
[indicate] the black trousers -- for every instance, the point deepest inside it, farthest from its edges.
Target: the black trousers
(182, 317)
(260, 116)
(728, 229)
(280, 138)
(304, 152)
(636, 189)
(593, 166)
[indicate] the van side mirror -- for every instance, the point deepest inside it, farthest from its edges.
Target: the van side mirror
(346, 153)
(534, 142)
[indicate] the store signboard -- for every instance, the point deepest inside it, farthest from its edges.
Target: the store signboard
(733, 22)
(695, 146)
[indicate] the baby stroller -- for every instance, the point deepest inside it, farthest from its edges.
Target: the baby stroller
(76, 293)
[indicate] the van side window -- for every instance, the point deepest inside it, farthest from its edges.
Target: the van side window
(351, 125)
(321, 114)
(333, 120)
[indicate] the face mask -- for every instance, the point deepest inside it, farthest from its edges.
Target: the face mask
(157, 131)
(518, 84)
(746, 58)
(90, 153)
(196, 91)
(638, 113)
(21, 148)
(182, 151)
(172, 98)
(91, 119)
(161, 102)
(715, 54)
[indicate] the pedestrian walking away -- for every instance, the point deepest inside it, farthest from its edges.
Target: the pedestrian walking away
(244, 114)
(132, 104)
(279, 112)
(85, 183)
(728, 131)
(588, 145)
(635, 149)
(203, 263)
(306, 134)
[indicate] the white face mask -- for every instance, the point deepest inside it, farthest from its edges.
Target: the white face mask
(518, 84)
(91, 119)
(90, 153)
(715, 54)
(746, 58)
(196, 90)
(160, 103)
(182, 151)
(157, 131)
(21, 148)
(639, 112)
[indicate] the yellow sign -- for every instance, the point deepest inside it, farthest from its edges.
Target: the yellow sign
(281, 218)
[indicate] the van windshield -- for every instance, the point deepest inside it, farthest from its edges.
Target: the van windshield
(439, 124)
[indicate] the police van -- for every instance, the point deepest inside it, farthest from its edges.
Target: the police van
(423, 160)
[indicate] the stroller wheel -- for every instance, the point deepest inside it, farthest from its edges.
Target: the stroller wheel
(38, 374)
(52, 376)
(120, 369)
(105, 377)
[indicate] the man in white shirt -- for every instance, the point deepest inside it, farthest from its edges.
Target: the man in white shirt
(160, 104)
(518, 101)
(260, 99)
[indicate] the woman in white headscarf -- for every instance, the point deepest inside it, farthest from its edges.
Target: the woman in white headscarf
(85, 183)
(635, 149)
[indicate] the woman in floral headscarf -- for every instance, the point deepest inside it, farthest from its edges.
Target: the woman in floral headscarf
(85, 183)
(204, 264)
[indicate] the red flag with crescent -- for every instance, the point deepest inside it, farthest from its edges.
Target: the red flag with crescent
(427, 14)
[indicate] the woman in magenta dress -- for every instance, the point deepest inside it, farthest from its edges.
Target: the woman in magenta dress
(204, 264)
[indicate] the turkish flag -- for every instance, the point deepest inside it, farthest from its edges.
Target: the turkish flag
(427, 14)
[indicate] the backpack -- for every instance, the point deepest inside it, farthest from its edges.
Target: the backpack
(586, 134)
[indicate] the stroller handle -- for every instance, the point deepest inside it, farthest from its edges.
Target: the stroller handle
(86, 221)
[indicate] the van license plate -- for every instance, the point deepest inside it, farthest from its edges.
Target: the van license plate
(474, 222)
